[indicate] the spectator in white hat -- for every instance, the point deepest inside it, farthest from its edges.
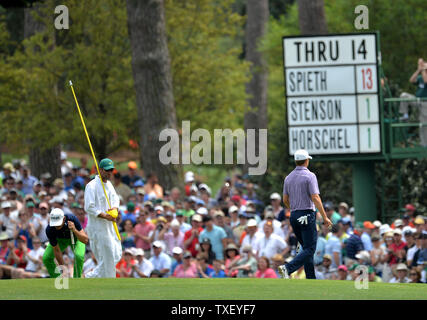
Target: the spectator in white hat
(6, 220)
(66, 166)
(233, 212)
(125, 265)
(160, 260)
(383, 229)
(202, 211)
(189, 181)
(143, 267)
(252, 235)
(343, 210)
(176, 258)
(205, 195)
(191, 237)
(397, 251)
(398, 223)
(275, 201)
(401, 274)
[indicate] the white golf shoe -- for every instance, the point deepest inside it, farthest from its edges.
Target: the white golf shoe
(283, 272)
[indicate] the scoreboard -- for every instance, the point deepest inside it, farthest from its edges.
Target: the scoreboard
(332, 94)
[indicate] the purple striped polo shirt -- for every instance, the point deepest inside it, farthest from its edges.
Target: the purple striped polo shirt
(299, 185)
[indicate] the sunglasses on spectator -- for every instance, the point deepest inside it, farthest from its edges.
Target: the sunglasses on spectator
(109, 170)
(412, 274)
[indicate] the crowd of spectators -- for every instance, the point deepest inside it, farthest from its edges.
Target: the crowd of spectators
(190, 232)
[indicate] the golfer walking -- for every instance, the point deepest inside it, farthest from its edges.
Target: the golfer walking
(103, 240)
(301, 195)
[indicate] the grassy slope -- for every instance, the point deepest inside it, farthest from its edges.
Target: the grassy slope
(206, 289)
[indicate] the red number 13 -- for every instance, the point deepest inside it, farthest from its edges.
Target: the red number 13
(367, 78)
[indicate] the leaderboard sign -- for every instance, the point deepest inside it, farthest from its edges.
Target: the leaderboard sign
(332, 94)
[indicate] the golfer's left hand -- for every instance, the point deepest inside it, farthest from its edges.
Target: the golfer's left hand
(71, 226)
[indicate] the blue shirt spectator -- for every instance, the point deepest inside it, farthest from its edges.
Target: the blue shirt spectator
(354, 244)
(367, 243)
(320, 250)
(333, 247)
(216, 235)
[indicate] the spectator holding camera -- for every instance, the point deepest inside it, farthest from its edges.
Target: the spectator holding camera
(418, 78)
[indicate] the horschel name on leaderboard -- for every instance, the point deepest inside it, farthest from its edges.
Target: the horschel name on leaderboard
(321, 139)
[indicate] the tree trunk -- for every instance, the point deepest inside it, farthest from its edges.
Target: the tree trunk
(47, 160)
(153, 85)
(41, 160)
(311, 16)
(256, 117)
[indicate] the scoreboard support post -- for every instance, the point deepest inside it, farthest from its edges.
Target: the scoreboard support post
(364, 194)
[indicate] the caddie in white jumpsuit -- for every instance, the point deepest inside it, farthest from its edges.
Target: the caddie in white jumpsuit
(103, 239)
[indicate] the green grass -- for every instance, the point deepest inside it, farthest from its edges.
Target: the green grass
(207, 289)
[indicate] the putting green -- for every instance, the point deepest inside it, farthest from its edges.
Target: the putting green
(206, 289)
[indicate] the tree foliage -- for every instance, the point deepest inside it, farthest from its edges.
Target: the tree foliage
(94, 53)
(209, 78)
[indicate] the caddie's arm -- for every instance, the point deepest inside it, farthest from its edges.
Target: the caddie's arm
(106, 216)
(319, 205)
(90, 205)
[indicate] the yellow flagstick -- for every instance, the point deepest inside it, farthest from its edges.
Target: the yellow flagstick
(94, 159)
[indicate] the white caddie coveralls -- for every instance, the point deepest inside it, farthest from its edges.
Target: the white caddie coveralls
(103, 239)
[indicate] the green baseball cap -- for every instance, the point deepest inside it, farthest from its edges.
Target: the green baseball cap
(131, 206)
(30, 204)
(179, 212)
(106, 164)
(359, 225)
(76, 205)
